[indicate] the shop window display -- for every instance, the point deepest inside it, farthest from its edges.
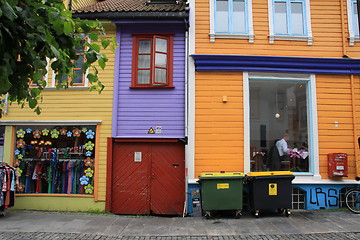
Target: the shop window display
(55, 159)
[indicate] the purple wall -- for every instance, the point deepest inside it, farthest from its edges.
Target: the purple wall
(136, 110)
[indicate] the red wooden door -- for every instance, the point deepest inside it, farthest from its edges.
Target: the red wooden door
(130, 180)
(168, 178)
(152, 183)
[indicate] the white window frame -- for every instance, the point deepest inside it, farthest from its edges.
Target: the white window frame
(314, 171)
(352, 37)
(307, 23)
(248, 13)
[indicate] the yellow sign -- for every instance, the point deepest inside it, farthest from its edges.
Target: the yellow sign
(272, 188)
(223, 185)
(151, 131)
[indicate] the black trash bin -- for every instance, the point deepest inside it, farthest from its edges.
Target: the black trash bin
(270, 191)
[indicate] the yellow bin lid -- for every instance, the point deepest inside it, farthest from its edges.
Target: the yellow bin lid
(219, 174)
(274, 173)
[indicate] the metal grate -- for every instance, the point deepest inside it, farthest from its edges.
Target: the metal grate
(298, 198)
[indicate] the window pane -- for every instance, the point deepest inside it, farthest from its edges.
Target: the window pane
(50, 150)
(144, 46)
(278, 108)
(239, 21)
(80, 62)
(161, 45)
(78, 79)
(280, 24)
(355, 20)
(222, 16)
(297, 18)
(160, 60)
(143, 76)
(144, 61)
(160, 75)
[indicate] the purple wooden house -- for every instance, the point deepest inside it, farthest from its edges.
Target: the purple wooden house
(146, 154)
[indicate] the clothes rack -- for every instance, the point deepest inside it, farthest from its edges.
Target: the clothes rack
(8, 183)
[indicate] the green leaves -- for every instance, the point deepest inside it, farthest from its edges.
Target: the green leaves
(32, 31)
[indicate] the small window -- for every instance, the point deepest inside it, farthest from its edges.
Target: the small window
(231, 19)
(80, 78)
(290, 20)
(42, 80)
(353, 20)
(152, 61)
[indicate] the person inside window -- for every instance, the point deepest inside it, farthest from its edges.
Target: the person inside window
(282, 147)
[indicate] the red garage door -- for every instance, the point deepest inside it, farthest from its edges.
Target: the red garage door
(148, 177)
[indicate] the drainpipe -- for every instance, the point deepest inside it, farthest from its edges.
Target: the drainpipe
(354, 125)
(186, 118)
(343, 28)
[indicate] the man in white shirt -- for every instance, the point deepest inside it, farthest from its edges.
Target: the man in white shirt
(282, 146)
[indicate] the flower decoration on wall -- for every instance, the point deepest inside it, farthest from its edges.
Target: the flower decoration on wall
(84, 180)
(28, 130)
(63, 131)
(20, 187)
(20, 144)
(89, 162)
(17, 152)
(69, 134)
(89, 172)
(54, 133)
(88, 153)
(18, 172)
(37, 133)
(89, 146)
(20, 156)
(76, 132)
(84, 129)
(17, 163)
(45, 132)
(89, 189)
(2, 103)
(90, 134)
(20, 133)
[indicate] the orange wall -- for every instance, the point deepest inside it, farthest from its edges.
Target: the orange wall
(336, 105)
(219, 144)
(326, 23)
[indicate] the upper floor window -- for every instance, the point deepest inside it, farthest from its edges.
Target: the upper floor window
(231, 19)
(79, 78)
(152, 61)
(353, 21)
(290, 20)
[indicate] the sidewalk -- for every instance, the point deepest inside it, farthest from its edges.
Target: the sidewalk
(300, 225)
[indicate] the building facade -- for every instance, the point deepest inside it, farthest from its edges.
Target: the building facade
(268, 68)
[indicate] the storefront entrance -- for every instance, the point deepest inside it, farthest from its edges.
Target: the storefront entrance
(147, 177)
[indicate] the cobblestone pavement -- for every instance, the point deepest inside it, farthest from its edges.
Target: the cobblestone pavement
(76, 236)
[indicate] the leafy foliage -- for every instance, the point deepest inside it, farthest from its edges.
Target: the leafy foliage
(35, 32)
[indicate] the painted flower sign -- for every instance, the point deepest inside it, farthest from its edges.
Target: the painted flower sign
(37, 133)
(89, 172)
(45, 132)
(54, 133)
(84, 180)
(89, 189)
(20, 133)
(20, 144)
(63, 131)
(89, 146)
(90, 134)
(89, 162)
(76, 132)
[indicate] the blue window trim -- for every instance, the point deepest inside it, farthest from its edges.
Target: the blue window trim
(288, 15)
(277, 64)
(230, 18)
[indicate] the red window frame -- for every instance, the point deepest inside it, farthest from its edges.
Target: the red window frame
(152, 67)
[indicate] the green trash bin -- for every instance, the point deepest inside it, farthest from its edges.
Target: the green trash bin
(270, 190)
(221, 191)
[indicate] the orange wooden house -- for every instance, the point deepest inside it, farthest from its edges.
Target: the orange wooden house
(263, 69)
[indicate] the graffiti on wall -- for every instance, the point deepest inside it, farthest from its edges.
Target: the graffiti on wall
(324, 197)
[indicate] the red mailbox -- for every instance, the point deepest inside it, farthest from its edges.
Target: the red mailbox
(337, 165)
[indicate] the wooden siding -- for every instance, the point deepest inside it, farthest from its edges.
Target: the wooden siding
(140, 109)
(79, 105)
(335, 105)
(219, 144)
(326, 24)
